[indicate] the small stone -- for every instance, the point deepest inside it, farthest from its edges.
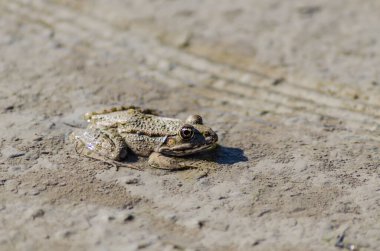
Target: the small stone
(38, 138)
(144, 245)
(257, 242)
(2, 182)
(38, 213)
(278, 81)
(195, 223)
(9, 108)
(129, 218)
(132, 181)
(180, 39)
(201, 223)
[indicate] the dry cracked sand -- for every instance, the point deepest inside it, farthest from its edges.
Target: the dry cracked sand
(292, 87)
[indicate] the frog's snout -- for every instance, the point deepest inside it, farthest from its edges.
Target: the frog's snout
(211, 137)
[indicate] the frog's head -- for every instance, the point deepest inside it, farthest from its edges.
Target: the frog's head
(192, 137)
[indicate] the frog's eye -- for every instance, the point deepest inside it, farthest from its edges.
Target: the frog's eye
(186, 132)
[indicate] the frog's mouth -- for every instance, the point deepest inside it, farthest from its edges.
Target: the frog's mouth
(188, 148)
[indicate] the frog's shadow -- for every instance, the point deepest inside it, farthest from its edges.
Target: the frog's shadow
(223, 155)
(229, 155)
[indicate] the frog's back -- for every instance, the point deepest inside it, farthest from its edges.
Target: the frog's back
(136, 122)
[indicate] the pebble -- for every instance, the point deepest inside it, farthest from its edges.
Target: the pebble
(38, 138)
(129, 218)
(193, 223)
(2, 182)
(132, 181)
(182, 39)
(144, 245)
(38, 213)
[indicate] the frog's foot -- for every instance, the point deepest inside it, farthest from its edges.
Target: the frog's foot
(101, 145)
(88, 115)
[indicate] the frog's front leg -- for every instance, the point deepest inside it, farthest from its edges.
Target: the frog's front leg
(161, 161)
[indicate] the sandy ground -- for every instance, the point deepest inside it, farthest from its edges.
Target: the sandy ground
(292, 87)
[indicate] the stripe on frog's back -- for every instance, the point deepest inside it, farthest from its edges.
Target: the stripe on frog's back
(135, 122)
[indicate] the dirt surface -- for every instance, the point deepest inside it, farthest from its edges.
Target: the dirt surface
(292, 87)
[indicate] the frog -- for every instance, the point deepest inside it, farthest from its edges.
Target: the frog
(112, 134)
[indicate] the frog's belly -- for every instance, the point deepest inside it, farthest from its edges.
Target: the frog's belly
(142, 145)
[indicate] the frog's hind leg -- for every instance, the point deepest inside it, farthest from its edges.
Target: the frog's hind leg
(102, 145)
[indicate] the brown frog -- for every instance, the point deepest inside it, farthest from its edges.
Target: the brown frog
(112, 133)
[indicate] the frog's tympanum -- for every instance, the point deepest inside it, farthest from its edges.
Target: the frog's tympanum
(112, 133)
